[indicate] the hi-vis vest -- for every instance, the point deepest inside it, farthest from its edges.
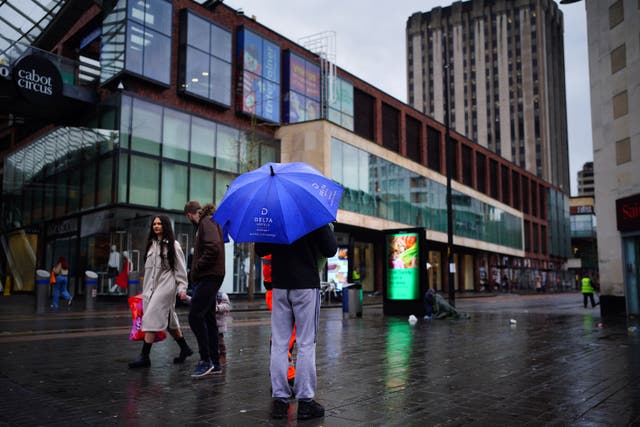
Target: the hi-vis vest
(587, 287)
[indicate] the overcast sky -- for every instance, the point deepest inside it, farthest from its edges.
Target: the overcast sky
(370, 44)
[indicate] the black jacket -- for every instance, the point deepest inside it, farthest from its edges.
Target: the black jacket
(295, 266)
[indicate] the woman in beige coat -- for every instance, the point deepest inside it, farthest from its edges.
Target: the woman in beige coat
(165, 275)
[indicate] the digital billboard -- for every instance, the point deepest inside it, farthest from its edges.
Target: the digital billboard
(338, 268)
(403, 258)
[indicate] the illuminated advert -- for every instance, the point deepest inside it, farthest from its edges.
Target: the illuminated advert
(403, 275)
(260, 62)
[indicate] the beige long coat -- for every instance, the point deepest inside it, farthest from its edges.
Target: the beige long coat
(160, 288)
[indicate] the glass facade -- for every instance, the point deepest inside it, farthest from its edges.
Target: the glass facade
(96, 187)
(205, 59)
(374, 186)
(136, 37)
(583, 226)
(559, 224)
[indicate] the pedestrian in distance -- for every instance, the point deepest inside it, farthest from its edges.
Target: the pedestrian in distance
(165, 275)
(296, 298)
(207, 274)
(61, 272)
(587, 290)
(223, 307)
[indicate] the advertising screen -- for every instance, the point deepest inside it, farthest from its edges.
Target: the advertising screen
(403, 275)
(338, 268)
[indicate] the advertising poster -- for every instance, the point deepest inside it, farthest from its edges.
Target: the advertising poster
(403, 276)
(270, 101)
(296, 74)
(261, 77)
(313, 81)
(313, 110)
(296, 107)
(271, 61)
(338, 268)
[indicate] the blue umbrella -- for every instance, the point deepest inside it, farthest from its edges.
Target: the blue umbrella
(278, 203)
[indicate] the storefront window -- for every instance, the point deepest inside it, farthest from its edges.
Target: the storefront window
(89, 185)
(143, 185)
(227, 149)
(174, 185)
(105, 178)
(123, 177)
(202, 142)
(201, 186)
(223, 180)
(146, 127)
(175, 135)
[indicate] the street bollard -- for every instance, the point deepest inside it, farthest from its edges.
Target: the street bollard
(352, 300)
(91, 289)
(42, 290)
(134, 283)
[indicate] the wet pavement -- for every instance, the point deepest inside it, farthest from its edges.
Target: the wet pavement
(556, 365)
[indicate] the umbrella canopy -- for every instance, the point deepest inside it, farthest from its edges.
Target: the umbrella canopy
(278, 203)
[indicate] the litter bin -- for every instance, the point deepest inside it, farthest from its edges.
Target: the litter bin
(133, 282)
(91, 289)
(42, 290)
(352, 300)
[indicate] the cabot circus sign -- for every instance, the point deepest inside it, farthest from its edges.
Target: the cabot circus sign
(37, 80)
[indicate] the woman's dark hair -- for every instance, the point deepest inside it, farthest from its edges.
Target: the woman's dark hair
(63, 263)
(167, 245)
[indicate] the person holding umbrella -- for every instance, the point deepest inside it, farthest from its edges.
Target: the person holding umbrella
(286, 208)
(207, 274)
(296, 298)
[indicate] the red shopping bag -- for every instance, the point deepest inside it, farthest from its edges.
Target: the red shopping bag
(135, 304)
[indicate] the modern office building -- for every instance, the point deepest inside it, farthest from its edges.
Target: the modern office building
(502, 62)
(586, 186)
(614, 71)
(128, 110)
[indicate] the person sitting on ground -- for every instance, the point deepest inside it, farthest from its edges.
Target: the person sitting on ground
(429, 301)
(443, 309)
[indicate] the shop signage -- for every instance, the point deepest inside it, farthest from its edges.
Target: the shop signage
(5, 72)
(628, 213)
(577, 210)
(38, 80)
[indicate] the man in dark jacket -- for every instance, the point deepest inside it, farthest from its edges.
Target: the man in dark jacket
(296, 298)
(207, 274)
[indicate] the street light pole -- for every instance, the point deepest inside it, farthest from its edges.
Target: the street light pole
(449, 163)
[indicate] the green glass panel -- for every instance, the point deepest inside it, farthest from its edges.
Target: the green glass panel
(201, 185)
(174, 185)
(143, 185)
